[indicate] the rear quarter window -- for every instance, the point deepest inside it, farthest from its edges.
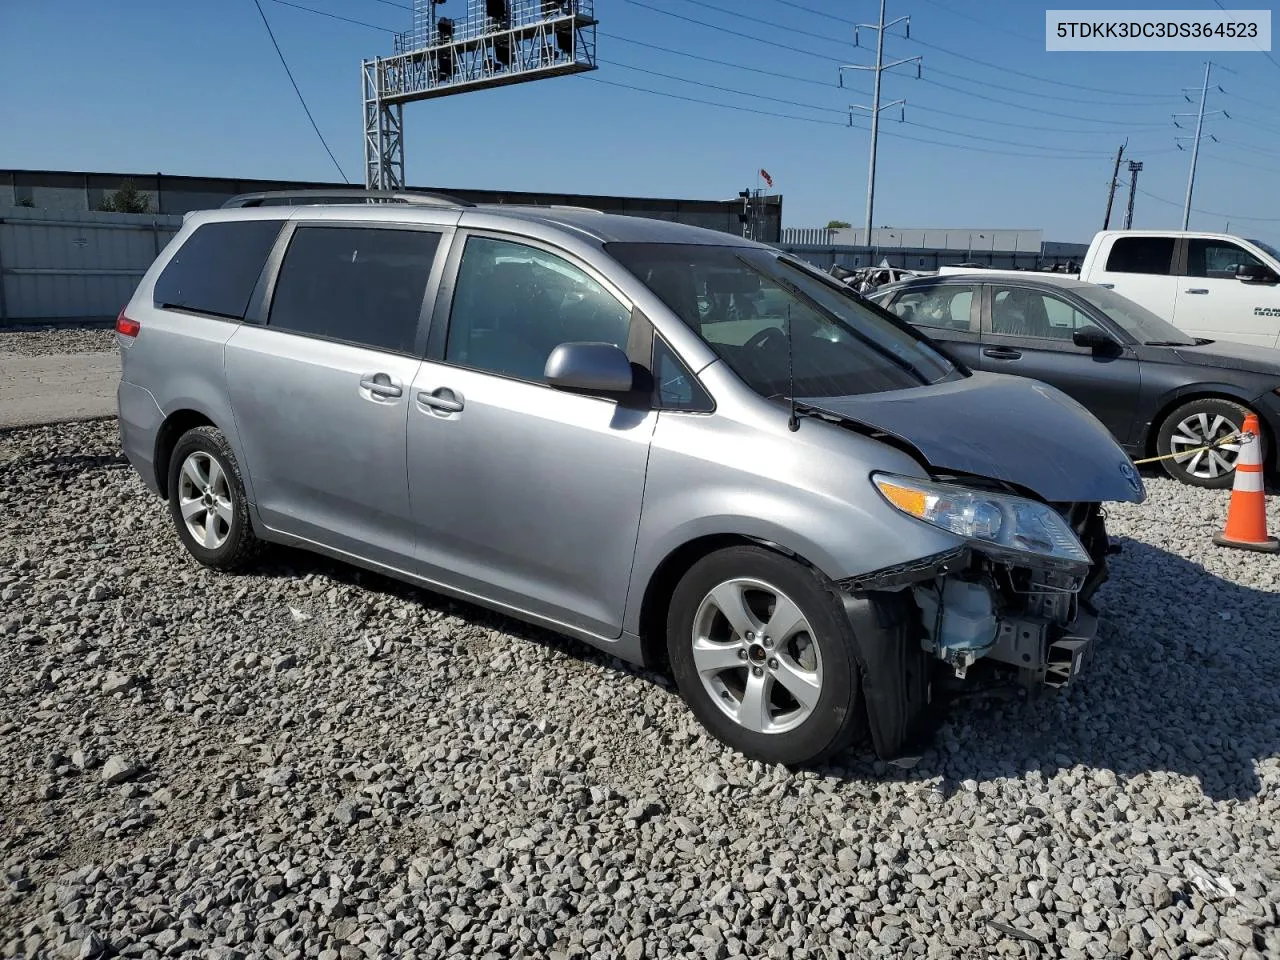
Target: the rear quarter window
(216, 269)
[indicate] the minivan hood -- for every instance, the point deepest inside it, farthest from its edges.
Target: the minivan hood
(1008, 428)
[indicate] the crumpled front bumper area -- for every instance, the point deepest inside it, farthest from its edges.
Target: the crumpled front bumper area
(1034, 619)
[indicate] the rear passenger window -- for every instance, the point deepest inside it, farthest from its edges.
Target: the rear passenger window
(362, 285)
(944, 307)
(216, 270)
(1150, 255)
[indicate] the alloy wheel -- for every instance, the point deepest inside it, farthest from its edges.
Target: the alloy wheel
(204, 498)
(1199, 430)
(756, 656)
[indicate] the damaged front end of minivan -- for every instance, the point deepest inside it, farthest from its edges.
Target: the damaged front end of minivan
(1017, 594)
(1027, 613)
(1025, 506)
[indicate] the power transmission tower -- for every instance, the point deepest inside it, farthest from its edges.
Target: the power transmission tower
(1115, 182)
(875, 108)
(1195, 145)
(1135, 167)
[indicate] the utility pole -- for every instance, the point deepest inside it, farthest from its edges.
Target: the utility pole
(1195, 145)
(875, 108)
(1135, 167)
(1115, 182)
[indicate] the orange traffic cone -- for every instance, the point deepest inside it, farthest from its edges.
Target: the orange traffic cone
(1247, 514)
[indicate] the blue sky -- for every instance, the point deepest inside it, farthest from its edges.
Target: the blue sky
(1019, 137)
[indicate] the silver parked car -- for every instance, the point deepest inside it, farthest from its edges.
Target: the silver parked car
(687, 449)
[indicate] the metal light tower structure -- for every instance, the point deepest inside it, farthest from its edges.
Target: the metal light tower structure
(1135, 167)
(875, 108)
(1195, 146)
(493, 43)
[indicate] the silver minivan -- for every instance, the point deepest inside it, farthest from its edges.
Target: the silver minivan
(690, 450)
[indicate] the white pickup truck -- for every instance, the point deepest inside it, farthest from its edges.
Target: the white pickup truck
(1211, 285)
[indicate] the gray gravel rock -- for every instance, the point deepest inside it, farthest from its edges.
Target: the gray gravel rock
(481, 789)
(42, 341)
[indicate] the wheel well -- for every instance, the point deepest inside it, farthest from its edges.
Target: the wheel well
(662, 584)
(1153, 432)
(174, 426)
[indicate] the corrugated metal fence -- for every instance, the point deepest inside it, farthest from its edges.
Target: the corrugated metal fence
(74, 265)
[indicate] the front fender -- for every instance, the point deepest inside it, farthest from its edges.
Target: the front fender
(818, 503)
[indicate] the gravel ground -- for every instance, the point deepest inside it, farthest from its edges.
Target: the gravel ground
(42, 341)
(312, 762)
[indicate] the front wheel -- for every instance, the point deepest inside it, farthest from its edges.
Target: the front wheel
(762, 652)
(1198, 424)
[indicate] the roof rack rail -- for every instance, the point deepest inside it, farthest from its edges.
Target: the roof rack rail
(273, 198)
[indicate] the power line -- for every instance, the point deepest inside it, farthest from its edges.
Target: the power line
(722, 63)
(819, 13)
(734, 33)
(1266, 53)
(772, 24)
(1039, 79)
(395, 3)
(964, 93)
(334, 16)
(301, 98)
(986, 23)
(810, 106)
(1055, 155)
(1210, 213)
(944, 73)
(713, 86)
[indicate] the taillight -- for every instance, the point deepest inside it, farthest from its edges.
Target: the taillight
(126, 326)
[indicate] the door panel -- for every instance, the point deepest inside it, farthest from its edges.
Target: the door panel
(1213, 303)
(524, 494)
(527, 495)
(327, 454)
(321, 394)
(1028, 333)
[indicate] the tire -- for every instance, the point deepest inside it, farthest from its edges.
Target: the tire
(1186, 428)
(203, 474)
(815, 660)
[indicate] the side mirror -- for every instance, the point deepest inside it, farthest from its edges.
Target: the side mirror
(589, 367)
(1095, 338)
(1255, 273)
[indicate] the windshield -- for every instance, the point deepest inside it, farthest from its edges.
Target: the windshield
(1267, 248)
(1139, 322)
(749, 305)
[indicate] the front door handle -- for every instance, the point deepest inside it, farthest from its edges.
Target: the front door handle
(1197, 290)
(1002, 353)
(442, 400)
(382, 385)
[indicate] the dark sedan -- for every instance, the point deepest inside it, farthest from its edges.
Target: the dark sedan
(1157, 389)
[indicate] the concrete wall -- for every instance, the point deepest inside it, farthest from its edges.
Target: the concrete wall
(80, 191)
(826, 255)
(65, 265)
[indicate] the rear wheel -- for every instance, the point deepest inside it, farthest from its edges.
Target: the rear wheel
(207, 500)
(763, 654)
(1197, 424)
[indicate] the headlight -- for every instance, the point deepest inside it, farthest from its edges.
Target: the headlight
(994, 519)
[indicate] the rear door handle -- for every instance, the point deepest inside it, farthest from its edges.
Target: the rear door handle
(1197, 290)
(1002, 353)
(382, 385)
(442, 400)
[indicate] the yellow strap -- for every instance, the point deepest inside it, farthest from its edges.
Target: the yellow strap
(1182, 453)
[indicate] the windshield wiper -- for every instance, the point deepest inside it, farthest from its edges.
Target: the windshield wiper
(1171, 343)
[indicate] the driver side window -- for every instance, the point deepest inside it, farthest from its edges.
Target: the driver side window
(1217, 259)
(513, 304)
